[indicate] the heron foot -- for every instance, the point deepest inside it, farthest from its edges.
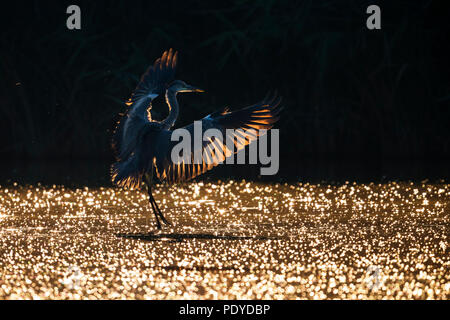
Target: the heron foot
(167, 222)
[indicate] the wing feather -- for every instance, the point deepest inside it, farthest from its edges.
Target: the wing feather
(246, 124)
(133, 127)
(152, 83)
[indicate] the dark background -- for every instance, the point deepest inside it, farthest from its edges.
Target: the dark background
(359, 104)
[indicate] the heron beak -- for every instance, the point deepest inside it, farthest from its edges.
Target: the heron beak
(195, 89)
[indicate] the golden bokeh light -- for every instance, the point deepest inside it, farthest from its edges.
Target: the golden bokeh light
(247, 241)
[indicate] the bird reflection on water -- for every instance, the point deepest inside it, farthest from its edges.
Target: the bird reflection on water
(285, 241)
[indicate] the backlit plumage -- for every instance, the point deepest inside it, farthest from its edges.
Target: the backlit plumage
(143, 146)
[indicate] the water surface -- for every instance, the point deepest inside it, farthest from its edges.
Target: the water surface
(233, 239)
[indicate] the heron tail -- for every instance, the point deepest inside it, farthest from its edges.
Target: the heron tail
(127, 174)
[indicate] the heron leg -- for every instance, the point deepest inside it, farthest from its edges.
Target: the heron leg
(155, 212)
(160, 213)
(148, 182)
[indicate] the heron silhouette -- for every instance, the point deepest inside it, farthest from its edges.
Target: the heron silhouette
(143, 146)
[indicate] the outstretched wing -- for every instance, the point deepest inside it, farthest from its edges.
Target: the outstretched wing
(153, 83)
(246, 123)
(155, 80)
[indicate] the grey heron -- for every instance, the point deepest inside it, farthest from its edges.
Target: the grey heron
(143, 145)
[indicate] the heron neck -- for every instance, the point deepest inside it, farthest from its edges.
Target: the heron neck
(172, 103)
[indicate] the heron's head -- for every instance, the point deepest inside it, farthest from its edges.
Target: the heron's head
(181, 86)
